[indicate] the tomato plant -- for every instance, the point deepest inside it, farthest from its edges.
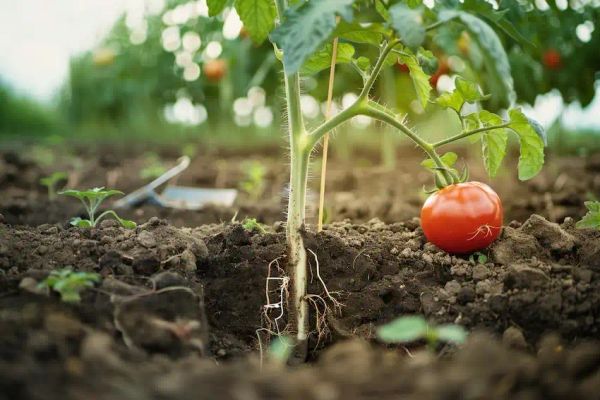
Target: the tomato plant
(396, 32)
(462, 218)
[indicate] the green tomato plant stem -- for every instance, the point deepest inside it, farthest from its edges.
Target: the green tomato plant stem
(465, 134)
(296, 263)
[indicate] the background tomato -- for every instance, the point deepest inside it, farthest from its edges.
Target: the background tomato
(552, 59)
(215, 70)
(462, 218)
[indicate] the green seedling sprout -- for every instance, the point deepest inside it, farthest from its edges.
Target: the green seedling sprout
(69, 284)
(153, 167)
(254, 181)
(252, 225)
(478, 257)
(301, 34)
(412, 328)
(91, 200)
(52, 181)
(592, 218)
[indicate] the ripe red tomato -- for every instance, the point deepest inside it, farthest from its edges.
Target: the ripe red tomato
(215, 70)
(462, 218)
(552, 59)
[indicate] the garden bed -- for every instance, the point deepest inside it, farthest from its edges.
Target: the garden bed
(537, 294)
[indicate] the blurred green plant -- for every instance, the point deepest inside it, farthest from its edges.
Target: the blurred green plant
(592, 218)
(412, 328)
(252, 225)
(69, 284)
(153, 166)
(254, 181)
(51, 183)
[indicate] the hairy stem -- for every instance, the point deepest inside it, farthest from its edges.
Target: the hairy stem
(296, 263)
(378, 112)
(465, 134)
(364, 94)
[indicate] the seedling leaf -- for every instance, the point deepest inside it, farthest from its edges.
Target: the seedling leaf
(252, 225)
(69, 284)
(592, 218)
(304, 28)
(531, 159)
(403, 329)
(258, 17)
(451, 333)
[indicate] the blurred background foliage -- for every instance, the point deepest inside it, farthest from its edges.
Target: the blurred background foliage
(174, 71)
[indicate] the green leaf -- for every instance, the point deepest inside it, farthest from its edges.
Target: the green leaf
(363, 63)
(419, 77)
(215, 7)
(305, 27)
(449, 159)
(355, 32)
(82, 223)
(592, 218)
(403, 329)
(258, 17)
(494, 56)
(408, 23)
(469, 90)
(427, 61)
(493, 142)
(451, 333)
(453, 100)
(381, 9)
(322, 58)
(531, 159)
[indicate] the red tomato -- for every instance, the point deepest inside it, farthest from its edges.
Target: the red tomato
(215, 70)
(462, 218)
(443, 68)
(552, 59)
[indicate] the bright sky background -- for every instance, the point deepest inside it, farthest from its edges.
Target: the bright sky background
(37, 38)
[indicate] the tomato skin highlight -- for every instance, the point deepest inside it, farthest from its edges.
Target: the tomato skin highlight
(462, 218)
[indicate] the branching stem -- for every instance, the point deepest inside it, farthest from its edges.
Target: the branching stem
(465, 134)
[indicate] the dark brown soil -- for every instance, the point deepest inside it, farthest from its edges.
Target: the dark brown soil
(359, 190)
(144, 333)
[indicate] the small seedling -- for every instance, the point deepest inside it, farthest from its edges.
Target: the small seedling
(254, 182)
(153, 167)
(414, 327)
(52, 181)
(281, 349)
(592, 218)
(252, 225)
(69, 284)
(478, 257)
(91, 200)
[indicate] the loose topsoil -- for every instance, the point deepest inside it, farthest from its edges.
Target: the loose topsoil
(177, 312)
(359, 189)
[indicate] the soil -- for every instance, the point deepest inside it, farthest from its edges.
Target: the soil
(359, 189)
(180, 310)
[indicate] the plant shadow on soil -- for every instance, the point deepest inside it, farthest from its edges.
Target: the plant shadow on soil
(177, 311)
